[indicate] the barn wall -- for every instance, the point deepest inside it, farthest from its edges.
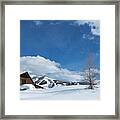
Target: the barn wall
(25, 80)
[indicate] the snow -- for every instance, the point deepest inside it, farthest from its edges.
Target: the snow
(73, 92)
(27, 87)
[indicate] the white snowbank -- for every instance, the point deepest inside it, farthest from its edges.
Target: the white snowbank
(27, 87)
(74, 92)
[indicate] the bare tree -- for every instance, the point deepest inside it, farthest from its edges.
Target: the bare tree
(89, 72)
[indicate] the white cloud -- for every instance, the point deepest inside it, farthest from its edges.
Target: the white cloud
(95, 25)
(37, 22)
(38, 65)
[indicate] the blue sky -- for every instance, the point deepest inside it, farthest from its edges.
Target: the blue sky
(68, 42)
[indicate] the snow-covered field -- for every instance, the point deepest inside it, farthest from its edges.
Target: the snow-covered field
(73, 92)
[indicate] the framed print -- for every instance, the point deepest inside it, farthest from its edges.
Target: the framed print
(60, 60)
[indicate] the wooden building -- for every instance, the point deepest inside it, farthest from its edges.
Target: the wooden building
(25, 79)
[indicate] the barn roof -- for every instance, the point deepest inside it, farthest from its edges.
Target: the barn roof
(25, 75)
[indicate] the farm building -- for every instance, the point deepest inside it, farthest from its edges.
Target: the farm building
(25, 79)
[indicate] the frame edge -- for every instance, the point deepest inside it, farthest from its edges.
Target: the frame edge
(2, 62)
